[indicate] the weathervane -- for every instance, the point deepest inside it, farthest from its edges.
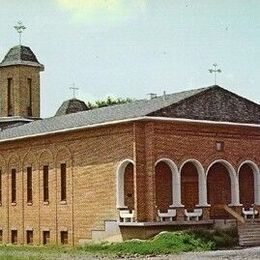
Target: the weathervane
(20, 28)
(215, 70)
(74, 89)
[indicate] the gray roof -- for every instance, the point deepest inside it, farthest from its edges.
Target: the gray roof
(71, 106)
(21, 55)
(131, 110)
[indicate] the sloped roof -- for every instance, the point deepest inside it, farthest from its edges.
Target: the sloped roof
(71, 106)
(131, 110)
(136, 109)
(21, 55)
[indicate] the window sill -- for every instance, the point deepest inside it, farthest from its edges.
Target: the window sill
(46, 203)
(13, 203)
(29, 203)
(63, 202)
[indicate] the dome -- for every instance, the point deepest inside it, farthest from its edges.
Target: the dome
(21, 55)
(71, 106)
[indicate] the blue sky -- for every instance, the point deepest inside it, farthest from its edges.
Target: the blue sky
(129, 48)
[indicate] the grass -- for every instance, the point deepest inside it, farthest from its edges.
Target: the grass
(164, 243)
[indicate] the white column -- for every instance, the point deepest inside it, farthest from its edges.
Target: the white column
(257, 186)
(176, 189)
(234, 189)
(202, 189)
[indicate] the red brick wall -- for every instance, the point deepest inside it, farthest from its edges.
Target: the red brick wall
(246, 182)
(163, 182)
(92, 157)
(189, 186)
(129, 186)
(219, 189)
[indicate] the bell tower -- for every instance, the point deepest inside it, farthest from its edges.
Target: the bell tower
(20, 84)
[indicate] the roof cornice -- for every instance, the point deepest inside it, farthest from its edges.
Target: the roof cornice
(144, 118)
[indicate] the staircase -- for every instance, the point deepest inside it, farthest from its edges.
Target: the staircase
(249, 233)
(248, 230)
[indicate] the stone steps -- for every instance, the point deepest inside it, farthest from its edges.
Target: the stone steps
(249, 233)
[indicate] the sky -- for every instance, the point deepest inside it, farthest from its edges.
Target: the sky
(129, 48)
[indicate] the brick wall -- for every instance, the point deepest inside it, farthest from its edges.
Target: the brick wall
(189, 186)
(246, 182)
(129, 186)
(163, 182)
(20, 91)
(92, 157)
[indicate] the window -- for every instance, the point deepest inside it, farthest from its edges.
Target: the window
(29, 184)
(13, 177)
(1, 236)
(14, 236)
(64, 237)
(29, 83)
(29, 237)
(63, 181)
(0, 186)
(46, 237)
(9, 96)
(46, 183)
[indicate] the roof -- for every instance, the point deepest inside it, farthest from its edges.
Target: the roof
(136, 109)
(21, 55)
(71, 106)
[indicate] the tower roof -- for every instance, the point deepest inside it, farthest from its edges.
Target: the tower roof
(71, 106)
(21, 55)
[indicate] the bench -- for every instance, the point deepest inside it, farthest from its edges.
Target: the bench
(193, 215)
(170, 214)
(126, 216)
(249, 213)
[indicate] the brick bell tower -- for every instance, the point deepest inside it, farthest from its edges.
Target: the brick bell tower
(20, 85)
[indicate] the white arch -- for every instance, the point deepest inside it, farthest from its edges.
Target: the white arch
(202, 181)
(176, 182)
(233, 179)
(256, 173)
(120, 177)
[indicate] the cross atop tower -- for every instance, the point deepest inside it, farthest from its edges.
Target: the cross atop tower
(74, 89)
(20, 28)
(215, 70)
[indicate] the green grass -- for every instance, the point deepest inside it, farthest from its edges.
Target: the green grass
(164, 243)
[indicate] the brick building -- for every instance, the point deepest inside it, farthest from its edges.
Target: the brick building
(125, 171)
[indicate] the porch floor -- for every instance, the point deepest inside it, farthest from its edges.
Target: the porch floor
(166, 223)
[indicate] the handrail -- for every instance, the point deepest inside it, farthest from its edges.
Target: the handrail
(231, 212)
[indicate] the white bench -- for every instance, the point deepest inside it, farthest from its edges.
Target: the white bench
(249, 213)
(170, 214)
(126, 215)
(193, 215)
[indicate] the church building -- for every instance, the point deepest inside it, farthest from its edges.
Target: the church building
(176, 161)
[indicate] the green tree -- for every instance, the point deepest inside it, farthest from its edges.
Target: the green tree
(109, 101)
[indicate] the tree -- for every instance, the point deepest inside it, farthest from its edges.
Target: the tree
(109, 101)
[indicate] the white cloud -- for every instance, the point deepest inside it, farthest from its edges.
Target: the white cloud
(102, 10)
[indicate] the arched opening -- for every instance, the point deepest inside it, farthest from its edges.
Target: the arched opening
(129, 186)
(163, 183)
(219, 189)
(189, 186)
(125, 185)
(247, 183)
